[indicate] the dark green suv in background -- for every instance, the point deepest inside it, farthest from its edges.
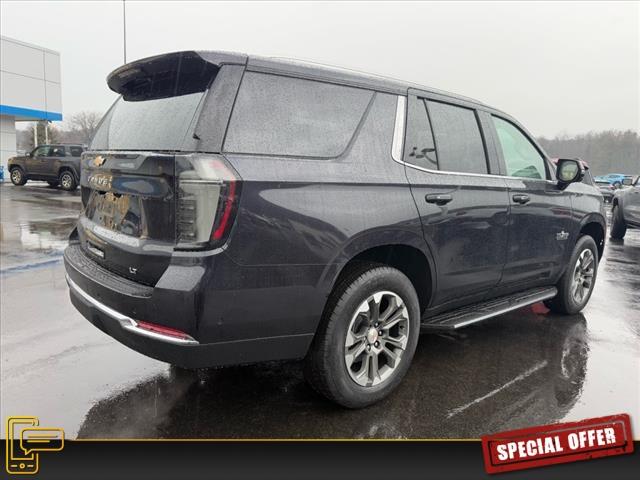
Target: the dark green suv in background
(55, 164)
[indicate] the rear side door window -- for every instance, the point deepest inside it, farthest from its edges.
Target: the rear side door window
(420, 148)
(278, 115)
(457, 138)
(56, 152)
(521, 157)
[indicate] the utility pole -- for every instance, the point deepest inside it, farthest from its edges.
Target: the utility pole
(46, 132)
(35, 134)
(124, 29)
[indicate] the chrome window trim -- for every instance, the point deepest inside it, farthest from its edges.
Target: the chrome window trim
(126, 322)
(397, 147)
(398, 129)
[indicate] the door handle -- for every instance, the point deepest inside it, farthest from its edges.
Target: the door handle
(438, 198)
(521, 198)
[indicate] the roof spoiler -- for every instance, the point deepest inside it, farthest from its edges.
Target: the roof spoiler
(170, 74)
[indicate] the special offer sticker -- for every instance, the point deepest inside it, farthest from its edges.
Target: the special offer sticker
(557, 443)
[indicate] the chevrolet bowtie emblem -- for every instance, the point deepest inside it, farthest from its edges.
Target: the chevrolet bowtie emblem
(99, 161)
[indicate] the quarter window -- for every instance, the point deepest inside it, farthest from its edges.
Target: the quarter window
(75, 151)
(457, 137)
(521, 158)
(277, 115)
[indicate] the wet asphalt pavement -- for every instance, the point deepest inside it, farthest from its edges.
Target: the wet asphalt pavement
(525, 368)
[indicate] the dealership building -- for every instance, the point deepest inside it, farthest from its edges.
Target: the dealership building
(30, 89)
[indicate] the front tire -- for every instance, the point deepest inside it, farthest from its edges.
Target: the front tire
(618, 225)
(18, 177)
(577, 282)
(68, 181)
(367, 337)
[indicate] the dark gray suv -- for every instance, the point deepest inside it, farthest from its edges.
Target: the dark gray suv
(56, 164)
(625, 211)
(240, 209)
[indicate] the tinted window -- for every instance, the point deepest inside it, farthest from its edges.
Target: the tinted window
(41, 152)
(277, 115)
(458, 138)
(76, 151)
(522, 159)
(420, 149)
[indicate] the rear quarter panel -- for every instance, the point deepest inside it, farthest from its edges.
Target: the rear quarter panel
(301, 220)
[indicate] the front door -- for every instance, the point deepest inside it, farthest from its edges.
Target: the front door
(36, 163)
(540, 212)
(462, 205)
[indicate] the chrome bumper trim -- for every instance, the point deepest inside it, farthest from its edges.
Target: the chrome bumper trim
(125, 322)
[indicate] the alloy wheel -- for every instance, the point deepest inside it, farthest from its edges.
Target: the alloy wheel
(376, 338)
(16, 175)
(66, 181)
(583, 276)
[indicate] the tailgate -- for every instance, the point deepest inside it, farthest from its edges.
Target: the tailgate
(128, 224)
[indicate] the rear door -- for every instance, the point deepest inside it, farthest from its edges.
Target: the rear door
(57, 154)
(463, 204)
(540, 212)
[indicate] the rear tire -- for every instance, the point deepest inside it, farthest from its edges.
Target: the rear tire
(18, 177)
(618, 225)
(577, 282)
(372, 312)
(68, 180)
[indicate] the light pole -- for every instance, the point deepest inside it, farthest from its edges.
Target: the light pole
(124, 29)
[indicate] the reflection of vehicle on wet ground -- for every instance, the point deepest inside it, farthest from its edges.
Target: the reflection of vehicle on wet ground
(56, 164)
(506, 374)
(625, 211)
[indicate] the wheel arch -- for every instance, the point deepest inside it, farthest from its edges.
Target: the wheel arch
(67, 168)
(403, 250)
(594, 226)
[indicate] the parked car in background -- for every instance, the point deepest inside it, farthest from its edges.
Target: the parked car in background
(241, 209)
(614, 179)
(625, 211)
(57, 164)
(606, 189)
(628, 181)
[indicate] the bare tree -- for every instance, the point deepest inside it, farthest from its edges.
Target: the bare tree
(84, 124)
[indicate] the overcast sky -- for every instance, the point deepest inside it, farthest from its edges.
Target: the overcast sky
(557, 67)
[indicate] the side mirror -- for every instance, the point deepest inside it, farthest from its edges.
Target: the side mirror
(568, 171)
(28, 154)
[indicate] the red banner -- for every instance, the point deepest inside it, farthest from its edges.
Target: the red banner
(557, 443)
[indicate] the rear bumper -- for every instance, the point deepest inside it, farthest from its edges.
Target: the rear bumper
(115, 308)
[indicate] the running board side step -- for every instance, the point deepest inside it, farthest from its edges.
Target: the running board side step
(478, 312)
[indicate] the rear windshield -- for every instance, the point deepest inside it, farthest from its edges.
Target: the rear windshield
(158, 102)
(159, 124)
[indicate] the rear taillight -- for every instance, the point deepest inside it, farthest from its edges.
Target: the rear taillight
(208, 193)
